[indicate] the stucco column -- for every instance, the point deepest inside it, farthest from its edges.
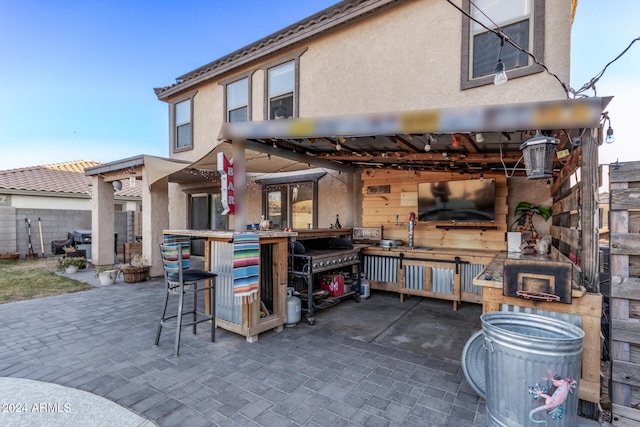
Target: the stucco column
(155, 219)
(240, 184)
(102, 222)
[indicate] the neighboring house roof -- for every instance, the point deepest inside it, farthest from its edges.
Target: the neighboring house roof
(327, 19)
(64, 178)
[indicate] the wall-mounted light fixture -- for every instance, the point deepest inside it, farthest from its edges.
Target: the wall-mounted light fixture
(539, 153)
(479, 137)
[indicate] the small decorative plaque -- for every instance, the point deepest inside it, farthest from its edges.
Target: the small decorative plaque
(379, 189)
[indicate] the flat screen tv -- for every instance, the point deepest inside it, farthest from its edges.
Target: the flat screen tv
(457, 201)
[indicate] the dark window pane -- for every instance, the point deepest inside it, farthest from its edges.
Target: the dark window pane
(184, 136)
(281, 107)
(238, 115)
(486, 48)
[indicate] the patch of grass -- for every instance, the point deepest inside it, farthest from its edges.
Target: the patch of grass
(29, 279)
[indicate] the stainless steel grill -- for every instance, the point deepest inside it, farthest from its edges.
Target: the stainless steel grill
(311, 256)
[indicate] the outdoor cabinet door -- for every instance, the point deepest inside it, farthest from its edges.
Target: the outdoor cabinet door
(430, 279)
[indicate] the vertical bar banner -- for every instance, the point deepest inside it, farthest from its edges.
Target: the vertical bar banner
(225, 167)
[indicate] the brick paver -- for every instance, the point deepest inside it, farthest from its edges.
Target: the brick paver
(102, 341)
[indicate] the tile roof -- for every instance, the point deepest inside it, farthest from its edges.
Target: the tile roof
(329, 18)
(67, 177)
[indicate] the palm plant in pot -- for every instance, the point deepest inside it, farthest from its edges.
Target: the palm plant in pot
(107, 274)
(71, 264)
(525, 212)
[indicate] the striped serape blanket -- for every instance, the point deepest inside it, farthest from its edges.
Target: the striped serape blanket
(185, 242)
(246, 265)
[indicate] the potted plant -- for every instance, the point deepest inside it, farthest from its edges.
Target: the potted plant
(136, 271)
(107, 274)
(525, 212)
(71, 264)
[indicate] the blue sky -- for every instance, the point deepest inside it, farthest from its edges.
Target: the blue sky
(77, 77)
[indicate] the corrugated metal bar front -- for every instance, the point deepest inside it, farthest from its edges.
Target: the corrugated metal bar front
(414, 277)
(382, 269)
(222, 265)
(467, 273)
(574, 319)
(442, 280)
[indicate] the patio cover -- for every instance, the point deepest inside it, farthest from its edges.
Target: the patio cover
(256, 162)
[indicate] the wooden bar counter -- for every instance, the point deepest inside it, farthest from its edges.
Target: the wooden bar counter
(249, 317)
(585, 311)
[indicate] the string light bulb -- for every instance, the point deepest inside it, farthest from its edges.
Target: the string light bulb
(610, 138)
(430, 140)
(500, 78)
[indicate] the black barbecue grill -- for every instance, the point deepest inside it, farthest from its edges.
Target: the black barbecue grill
(321, 255)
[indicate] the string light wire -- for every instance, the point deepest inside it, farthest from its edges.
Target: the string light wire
(500, 33)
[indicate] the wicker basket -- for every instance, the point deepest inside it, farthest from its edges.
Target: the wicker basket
(134, 274)
(9, 256)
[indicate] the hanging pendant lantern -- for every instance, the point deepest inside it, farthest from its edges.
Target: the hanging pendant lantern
(539, 153)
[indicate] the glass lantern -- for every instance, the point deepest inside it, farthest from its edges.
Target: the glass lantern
(539, 153)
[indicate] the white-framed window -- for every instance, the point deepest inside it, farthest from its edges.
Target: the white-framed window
(237, 106)
(181, 119)
(281, 90)
(521, 20)
(183, 124)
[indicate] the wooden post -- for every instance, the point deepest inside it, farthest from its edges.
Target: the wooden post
(589, 217)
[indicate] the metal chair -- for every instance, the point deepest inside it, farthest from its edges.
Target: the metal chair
(180, 281)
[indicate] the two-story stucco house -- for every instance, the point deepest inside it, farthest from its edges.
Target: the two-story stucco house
(365, 112)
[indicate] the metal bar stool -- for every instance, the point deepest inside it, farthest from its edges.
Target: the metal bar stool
(180, 281)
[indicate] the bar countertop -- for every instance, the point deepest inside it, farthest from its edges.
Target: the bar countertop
(227, 234)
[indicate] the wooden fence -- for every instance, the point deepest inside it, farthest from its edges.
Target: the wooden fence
(624, 267)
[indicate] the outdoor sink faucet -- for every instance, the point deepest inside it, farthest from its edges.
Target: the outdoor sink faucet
(411, 222)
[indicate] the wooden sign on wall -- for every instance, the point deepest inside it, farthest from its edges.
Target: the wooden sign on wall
(379, 189)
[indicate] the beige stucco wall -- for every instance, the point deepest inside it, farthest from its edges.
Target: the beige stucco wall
(404, 59)
(178, 219)
(408, 58)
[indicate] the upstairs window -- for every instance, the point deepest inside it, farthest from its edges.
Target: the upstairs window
(521, 20)
(238, 101)
(182, 124)
(514, 17)
(281, 90)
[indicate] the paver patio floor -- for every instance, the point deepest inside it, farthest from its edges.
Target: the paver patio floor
(101, 341)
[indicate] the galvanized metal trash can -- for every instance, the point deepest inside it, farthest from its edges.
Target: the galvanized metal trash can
(528, 358)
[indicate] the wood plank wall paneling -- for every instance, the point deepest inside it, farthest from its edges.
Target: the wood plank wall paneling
(381, 209)
(624, 245)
